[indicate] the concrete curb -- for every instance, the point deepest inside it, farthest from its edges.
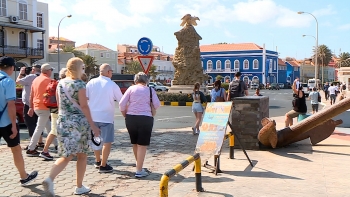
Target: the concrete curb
(179, 103)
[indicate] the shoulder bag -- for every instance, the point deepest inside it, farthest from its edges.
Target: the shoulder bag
(220, 98)
(2, 111)
(153, 110)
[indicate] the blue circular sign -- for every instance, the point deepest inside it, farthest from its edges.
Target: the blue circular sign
(145, 46)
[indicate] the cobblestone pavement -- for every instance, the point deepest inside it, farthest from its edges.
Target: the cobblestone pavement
(168, 147)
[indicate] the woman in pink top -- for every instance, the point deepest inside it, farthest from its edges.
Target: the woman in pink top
(135, 106)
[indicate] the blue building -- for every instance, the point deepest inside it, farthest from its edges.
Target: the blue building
(293, 70)
(282, 71)
(256, 64)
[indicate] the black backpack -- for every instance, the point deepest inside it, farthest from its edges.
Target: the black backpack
(236, 89)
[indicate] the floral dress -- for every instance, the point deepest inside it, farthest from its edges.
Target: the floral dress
(73, 129)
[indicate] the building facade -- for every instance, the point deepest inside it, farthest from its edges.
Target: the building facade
(63, 42)
(256, 64)
(102, 55)
(282, 71)
(24, 28)
(293, 70)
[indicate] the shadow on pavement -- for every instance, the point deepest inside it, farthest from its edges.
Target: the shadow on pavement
(218, 193)
(33, 188)
(332, 153)
(266, 174)
(335, 145)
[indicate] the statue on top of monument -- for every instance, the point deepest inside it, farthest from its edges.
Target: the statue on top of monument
(189, 20)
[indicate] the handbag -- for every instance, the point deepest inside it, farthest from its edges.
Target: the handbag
(319, 97)
(219, 98)
(153, 110)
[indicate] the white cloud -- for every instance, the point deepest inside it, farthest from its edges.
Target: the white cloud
(104, 12)
(345, 27)
(251, 11)
(229, 34)
(141, 7)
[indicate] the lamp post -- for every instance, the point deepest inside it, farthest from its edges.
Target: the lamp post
(315, 62)
(95, 69)
(316, 50)
(58, 42)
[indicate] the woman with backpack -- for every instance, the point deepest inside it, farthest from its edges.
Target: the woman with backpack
(218, 94)
(299, 105)
(197, 107)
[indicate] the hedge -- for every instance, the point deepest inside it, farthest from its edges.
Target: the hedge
(177, 97)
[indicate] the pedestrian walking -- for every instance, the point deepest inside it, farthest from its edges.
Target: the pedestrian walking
(26, 81)
(237, 87)
(315, 98)
(325, 90)
(37, 106)
(8, 127)
(299, 105)
(332, 91)
(197, 107)
(257, 92)
(102, 93)
(74, 127)
(218, 94)
(53, 133)
(138, 105)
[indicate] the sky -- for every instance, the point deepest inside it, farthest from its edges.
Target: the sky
(274, 23)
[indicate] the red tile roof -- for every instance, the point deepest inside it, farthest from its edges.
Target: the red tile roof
(294, 63)
(93, 46)
(61, 38)
(281, 62)
(230, 47)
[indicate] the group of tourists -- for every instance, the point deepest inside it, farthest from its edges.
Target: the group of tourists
(82, 117)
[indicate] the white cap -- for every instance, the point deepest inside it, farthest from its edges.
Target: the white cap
(46, 67)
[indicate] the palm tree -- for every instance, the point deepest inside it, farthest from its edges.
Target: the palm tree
(133, 68)
(324, 56)
(90, 63)
(344, 60)
(71, 49)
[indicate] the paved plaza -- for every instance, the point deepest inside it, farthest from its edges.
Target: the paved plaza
(298, 170)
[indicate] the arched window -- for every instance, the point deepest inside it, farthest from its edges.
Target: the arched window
(227, 79)
(22, 40)
(255, 79)
(209, 65)
(255, 64)
(275, 65)
(228, 64)
(218, 65)
(236, 64)
(246, 64)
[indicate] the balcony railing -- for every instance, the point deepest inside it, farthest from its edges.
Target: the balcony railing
(16, 51)
(222, 70)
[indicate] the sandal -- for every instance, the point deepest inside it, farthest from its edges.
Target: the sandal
(41, 145)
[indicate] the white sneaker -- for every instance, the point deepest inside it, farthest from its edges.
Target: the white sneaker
(82, 190)
(48, 187)
(143, 173)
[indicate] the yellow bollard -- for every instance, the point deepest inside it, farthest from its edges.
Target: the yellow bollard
(232, 146)
(164, 186)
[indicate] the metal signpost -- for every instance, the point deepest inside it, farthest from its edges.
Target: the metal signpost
(145, 46)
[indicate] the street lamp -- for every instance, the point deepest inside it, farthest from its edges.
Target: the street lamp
(316, 66)
(58, 41)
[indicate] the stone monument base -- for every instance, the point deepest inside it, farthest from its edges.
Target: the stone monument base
(185, 89)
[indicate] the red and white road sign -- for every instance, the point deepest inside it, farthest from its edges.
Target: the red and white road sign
(146, 62)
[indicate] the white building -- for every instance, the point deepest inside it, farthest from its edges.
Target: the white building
(24, 28)
(165, 69)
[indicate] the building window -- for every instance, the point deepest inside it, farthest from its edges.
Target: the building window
(227, 64)
(92, 54)
(209, 65)
(39, 20)
(3, 8)
(40, 44)
(274, 65)
(2, 38)
(113, 55)
(23, 13)
(236, 64)
(270, 65)
(101, 55)
(255, 64)
(22, 40)
(107, 55)
(246, 64)
(218, 65)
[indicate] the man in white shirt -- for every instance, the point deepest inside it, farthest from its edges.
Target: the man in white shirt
(332, 93)
(102, 93)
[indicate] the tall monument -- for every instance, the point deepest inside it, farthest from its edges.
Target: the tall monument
(187, 60)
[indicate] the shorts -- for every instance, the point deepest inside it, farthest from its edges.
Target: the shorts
(314, 107)
(54, 117)
(293, 114)
(6, 132)
(197, 107)
(107, 134)
(139, 128)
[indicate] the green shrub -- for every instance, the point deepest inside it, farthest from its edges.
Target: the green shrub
(177, 97)
(225, 85)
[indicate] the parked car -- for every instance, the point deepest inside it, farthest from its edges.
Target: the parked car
(19, 105)
(306, 89)
(158, 86)
(274, 86)
(281, 85)
(254, 86)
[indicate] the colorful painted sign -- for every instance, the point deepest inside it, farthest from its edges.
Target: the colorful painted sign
(213, 129)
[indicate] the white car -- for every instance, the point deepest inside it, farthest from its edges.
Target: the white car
(158, 86)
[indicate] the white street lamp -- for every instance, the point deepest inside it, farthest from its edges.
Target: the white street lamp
(58, 42)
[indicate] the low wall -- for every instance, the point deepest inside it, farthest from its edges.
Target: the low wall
(246, 117)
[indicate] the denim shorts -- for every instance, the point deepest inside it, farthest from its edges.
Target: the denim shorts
(197, 107)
